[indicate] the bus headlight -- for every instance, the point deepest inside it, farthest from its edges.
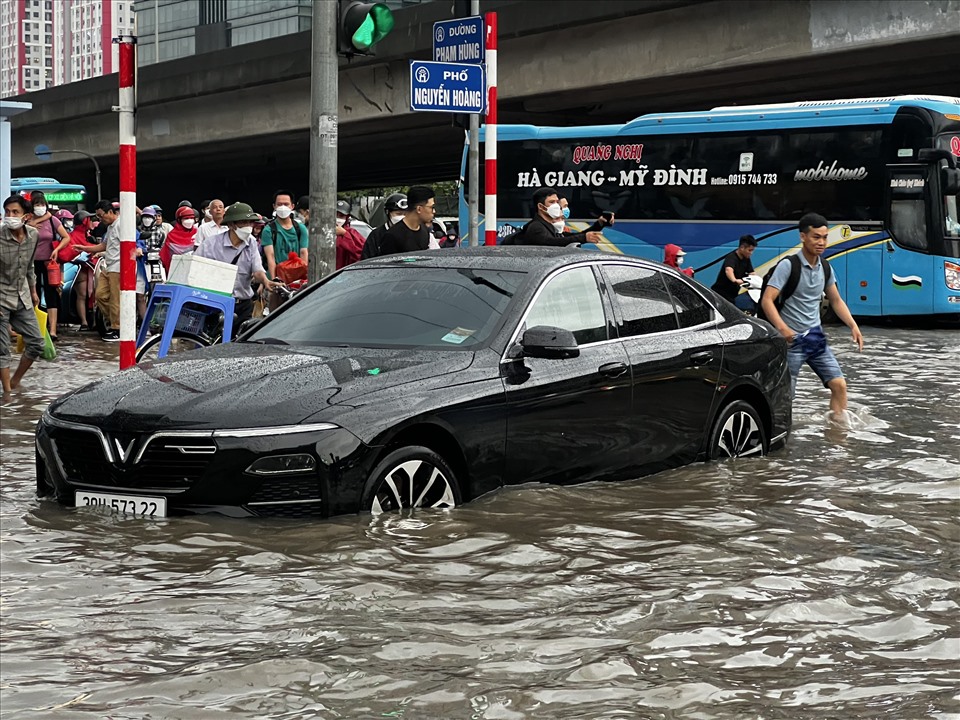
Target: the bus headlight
(951, 274)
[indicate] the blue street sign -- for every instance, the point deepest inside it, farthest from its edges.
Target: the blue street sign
(459, 40)
(447, 87)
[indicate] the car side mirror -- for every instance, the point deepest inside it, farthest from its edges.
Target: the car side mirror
(550, 343)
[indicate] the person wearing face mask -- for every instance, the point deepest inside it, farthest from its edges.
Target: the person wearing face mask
(53, 238)
(283, 235)
(395, 206)
(182, 239)
(302, 214)
(18, 293)
(237, 246)
(546, 229)
(673, 256)
(413, 232)
(80, 241)
(349, 240)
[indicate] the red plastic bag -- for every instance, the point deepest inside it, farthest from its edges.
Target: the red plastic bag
(292, 270)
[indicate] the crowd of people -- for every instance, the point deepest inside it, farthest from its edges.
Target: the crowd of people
(35, 241)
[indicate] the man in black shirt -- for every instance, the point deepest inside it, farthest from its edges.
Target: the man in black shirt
(412, 233)
(395, 207)
(732, 276)
(546, 228)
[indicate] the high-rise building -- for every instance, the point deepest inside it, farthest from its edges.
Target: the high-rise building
(50, 42)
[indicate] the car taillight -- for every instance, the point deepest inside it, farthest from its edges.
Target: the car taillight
(951, 274)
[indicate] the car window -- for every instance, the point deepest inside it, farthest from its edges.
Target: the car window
(692, 309)
(441, 308)
(645, 305)
(571, 300)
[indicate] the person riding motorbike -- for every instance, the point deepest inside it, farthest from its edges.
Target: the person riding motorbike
(182, 238)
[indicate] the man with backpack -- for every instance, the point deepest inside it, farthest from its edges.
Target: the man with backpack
(283, 235)
(790, 301)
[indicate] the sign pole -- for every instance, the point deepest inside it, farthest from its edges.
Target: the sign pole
(490, 139)
(128, 201)
(324, 120)
(473, 165)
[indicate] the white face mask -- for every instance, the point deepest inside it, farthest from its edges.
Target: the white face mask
(244, 233)
(283, 212)
(679, 261)
(68, 224)
(40, 210)
(14, 223)
(394, 219)
(559, 225)
(188, 223)
(555, 211)
(341, 221)
(147, 221)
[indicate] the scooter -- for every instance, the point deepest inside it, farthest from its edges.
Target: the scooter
(156, 274)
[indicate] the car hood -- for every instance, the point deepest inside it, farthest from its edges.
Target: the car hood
(240, 385)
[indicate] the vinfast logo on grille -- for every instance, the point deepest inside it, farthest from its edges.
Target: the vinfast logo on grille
(907, 282)
(825, 173)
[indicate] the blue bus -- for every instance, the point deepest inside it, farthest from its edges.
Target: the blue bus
(883, 171)
(65, 196)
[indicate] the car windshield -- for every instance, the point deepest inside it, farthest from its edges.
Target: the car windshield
(430, 307)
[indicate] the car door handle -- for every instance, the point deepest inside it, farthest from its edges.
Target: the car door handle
(701, 358)
(614, 369)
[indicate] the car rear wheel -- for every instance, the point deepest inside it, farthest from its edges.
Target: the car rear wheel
(738, 432)
(411, 477)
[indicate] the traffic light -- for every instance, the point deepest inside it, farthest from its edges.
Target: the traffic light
(362, 25)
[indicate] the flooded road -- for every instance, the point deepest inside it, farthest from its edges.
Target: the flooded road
(821, 581)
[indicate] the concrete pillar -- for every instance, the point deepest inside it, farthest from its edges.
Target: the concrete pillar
(7, 110)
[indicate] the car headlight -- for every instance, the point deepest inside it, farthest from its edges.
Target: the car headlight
(283, 465)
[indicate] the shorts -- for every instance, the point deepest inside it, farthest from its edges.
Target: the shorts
(822, 361)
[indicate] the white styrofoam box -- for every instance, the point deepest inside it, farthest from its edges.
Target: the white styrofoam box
(202, 273)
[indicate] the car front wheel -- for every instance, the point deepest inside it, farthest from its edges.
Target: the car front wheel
(738, 432)
(411, 477)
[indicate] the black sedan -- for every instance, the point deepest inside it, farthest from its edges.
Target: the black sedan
(424, 381)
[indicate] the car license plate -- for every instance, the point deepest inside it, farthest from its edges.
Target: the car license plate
(137, 505)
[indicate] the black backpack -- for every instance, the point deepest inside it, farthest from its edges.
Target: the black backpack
(791, 285)
(513, 237)
(298, 227)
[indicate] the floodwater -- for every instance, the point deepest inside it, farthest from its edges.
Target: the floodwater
(820, 582)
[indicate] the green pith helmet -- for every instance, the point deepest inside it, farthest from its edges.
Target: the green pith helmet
(238, 212)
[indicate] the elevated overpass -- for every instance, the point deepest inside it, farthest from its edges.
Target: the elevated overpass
(234, 123)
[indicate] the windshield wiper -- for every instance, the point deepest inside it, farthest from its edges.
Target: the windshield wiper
(477, 280)
(269, 341)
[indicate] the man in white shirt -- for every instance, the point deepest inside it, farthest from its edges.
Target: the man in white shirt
(215, 225)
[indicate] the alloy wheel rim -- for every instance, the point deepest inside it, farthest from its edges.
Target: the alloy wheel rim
(413, 484)
(740, 436)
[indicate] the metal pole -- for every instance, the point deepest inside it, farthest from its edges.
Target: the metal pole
(473, 164)
(96, 165)
(324, 117)
(128, 201)
(490, 138)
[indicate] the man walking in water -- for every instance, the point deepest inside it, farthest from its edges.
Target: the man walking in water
(791, 303)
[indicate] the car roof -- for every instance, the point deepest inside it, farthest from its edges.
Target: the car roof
(522, 258)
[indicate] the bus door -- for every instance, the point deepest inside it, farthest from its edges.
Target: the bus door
(908, 274)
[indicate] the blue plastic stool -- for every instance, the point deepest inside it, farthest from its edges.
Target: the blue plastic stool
(179, 295)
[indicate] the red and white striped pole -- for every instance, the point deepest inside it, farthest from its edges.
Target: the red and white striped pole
(490, 136)
(128, 201)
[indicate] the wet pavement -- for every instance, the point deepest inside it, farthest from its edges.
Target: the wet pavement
(821, 581)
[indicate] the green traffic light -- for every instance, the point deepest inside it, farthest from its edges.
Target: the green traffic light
(374, 28)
